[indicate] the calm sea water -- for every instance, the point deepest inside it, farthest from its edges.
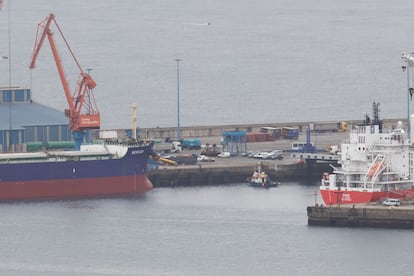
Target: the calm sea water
(241, 61)
(232, 230)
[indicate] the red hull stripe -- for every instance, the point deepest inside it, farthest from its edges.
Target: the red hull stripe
(74, 188)
(352, 197)
(345, 197)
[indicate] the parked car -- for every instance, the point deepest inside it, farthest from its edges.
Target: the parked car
(260, 154)
(277, 154)
(205, 158)
(391, 202)
(224, 154)
(273, 155)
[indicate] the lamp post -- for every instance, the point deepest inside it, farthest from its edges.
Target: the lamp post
(10, 77)
(178, 99)
(134, 121)
(409, 60)
(9, 135)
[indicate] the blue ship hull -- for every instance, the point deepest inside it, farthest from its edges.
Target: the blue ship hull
(76, 176)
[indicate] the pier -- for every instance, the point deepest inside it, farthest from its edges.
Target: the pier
(401, 217)
(232, 170)
(236, 170)
(199, 175)
(295, 165)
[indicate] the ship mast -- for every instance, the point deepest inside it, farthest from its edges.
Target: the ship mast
(376, 120)
(134, 121)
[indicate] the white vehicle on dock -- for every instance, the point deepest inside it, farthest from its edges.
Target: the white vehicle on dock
(204, 158)
(391, 202)
(275, 154)
(224, 154)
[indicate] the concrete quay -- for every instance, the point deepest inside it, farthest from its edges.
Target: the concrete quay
(367, 215)
(236, 169)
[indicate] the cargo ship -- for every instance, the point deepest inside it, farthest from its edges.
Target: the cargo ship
(98, 170)
(375, 164)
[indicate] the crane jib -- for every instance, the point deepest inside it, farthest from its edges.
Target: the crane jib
(82, 111)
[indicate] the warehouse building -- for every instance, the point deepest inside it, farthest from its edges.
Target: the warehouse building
(24, 122)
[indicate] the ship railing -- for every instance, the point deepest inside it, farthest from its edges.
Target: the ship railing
(396, 182)
(392, 183)
(339, 170)
(106, 142)
(349, 185)
(356, 184)
(119, 142)
(353, 185)
(23, 157)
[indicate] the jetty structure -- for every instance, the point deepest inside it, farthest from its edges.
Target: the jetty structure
(235, 169)
(238, 167)
(370, 215)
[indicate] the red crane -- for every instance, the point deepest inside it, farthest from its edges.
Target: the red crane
(82, 112)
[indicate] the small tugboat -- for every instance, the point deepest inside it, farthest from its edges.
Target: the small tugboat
(260, 179)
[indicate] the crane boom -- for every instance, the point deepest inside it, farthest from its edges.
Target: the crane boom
(82, 111)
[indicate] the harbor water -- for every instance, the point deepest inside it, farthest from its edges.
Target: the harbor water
(242, 62)
(216, 230)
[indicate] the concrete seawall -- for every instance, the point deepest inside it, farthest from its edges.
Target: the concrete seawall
(233, 170)
(209, 131)
(199, 176)
(362, 216)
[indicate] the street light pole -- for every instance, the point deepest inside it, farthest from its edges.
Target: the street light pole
(134, 121)
(178, 99)
(409, 59)
(10, 77)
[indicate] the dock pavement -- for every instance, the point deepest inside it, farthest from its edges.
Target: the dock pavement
(238, 168)
(321, 141)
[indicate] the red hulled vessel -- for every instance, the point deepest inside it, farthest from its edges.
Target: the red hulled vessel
(375, 164)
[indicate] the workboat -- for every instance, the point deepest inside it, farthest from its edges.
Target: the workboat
(98, 170)
(375, 164)
(260, 179)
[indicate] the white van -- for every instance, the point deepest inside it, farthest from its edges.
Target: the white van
(391, 202)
